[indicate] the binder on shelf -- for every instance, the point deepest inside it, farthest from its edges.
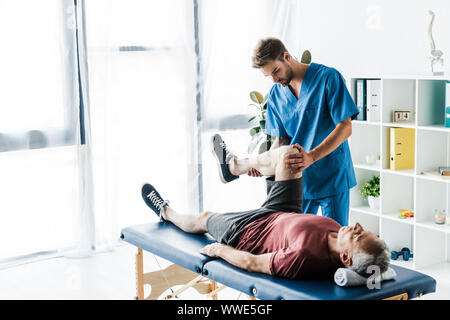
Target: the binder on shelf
(373, 93)
(401, 148)
(447, 105)
(361, 99)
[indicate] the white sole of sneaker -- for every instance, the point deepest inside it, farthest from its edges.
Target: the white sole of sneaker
(217, 161)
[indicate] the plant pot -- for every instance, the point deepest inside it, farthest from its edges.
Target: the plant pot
(374, 202)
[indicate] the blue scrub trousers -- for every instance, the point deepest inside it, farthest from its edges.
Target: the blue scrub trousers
(334, 207)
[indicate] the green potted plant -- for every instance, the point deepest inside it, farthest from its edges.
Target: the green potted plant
(371, 191)
(257, 133)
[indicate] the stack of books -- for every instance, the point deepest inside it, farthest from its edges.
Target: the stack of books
(368, 99)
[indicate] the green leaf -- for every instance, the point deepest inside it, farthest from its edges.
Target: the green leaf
(371, 187)
(257, 97)
(251, 119)
(262, 124)
(306, 57)
(254, 131)
(264, 103)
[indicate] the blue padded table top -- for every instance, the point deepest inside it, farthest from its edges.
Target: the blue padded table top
(272, 288)
(169, 242)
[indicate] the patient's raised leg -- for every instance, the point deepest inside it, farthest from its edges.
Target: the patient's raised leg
(269, 163)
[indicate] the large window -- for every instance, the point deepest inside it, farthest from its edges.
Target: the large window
(37, 78)
(38, 120)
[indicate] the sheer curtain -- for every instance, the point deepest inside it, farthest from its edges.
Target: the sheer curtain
(42, 159)
(141, 61)
(229, 32)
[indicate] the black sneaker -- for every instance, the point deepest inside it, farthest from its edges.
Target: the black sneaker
(223, 157)
(153, 199)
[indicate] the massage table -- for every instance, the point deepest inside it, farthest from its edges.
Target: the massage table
(208, 276)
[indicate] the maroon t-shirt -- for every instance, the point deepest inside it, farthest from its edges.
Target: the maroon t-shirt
(299, 243)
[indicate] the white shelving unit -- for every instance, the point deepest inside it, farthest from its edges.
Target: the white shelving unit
(405, 189)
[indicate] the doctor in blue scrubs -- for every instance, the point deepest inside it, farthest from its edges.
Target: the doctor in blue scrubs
(310, 107)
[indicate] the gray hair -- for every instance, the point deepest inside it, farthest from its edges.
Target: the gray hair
(361, 260)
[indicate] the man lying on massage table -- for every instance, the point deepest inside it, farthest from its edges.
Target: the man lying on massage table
(276, 239)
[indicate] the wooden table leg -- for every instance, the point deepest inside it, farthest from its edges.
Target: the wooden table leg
(139, 275)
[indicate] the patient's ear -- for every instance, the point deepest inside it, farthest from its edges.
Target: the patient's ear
(345, 259)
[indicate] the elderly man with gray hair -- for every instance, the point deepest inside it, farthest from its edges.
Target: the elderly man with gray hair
(275, 239)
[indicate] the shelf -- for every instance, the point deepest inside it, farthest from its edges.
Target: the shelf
(403, 76)
(394, 216)
(366, 210)
(424, 96)
(421, 76)
(434, 127)
(434, 226)
(371, 123)
(433, 176)
(372, 167)
(406, 172)
(399, 124)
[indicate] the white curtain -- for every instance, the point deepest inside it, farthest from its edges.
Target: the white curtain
(43, 183)
(141, 62)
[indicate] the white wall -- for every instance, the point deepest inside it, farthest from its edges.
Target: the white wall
(377, 36)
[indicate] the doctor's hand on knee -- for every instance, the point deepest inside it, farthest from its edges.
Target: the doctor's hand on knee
(298, 161)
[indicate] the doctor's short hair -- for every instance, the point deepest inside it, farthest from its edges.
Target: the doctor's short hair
(379, 256)
(267, 50)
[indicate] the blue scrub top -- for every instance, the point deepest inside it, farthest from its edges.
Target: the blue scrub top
(323, 102)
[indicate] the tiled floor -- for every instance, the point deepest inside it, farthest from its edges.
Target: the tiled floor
(111, 275)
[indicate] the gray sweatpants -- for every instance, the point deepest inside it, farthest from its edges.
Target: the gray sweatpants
(285, 195)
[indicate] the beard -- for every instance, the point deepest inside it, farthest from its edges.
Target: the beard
(288, 77)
